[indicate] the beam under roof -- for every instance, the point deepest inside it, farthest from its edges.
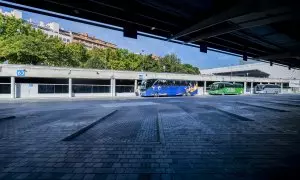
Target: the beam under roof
(241, 26)
(246, 10)
(287, 55)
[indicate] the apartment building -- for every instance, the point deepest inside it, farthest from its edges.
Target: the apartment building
(91, 42)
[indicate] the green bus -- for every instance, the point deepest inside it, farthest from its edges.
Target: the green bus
(222, 88)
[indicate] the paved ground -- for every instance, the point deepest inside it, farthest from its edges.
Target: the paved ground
(220, 137)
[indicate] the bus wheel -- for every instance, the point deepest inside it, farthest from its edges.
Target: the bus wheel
(156, 95)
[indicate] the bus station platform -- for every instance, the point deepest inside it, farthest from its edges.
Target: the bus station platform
(207, 137)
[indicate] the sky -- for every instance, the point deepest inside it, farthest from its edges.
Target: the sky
(190, 55)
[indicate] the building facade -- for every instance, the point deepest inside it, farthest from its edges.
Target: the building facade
(53, 30)
(155, 57)
(26, 81)
(263, 70)
(14, 13)
(91, 42)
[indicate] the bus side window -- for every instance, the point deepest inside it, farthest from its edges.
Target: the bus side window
(185, 83)
(170, 83)
(268, 86)
(163, 83)
(159, 83)
(174, 83)
(156, 83)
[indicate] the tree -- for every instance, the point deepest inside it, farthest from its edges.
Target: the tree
(78, 54)
(25, 50)
(10, 26)
(97, 59)
(171, 63)
(20, 43)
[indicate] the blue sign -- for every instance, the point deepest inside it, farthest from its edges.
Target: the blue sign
(20, 72)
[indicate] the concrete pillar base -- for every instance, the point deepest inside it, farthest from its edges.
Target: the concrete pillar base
(70, 88)
(12, 88)
(204, 88)
(113, 87)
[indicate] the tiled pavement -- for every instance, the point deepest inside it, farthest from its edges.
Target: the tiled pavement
(153, 138)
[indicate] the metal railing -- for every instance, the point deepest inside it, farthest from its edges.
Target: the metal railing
(125, 89)
(90, 88)
(53, 88)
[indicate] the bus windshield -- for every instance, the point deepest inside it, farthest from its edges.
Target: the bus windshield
(259, 87)
(214, 87)
(147, 83)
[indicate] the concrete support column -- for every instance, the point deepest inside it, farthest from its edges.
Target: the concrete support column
(281, 87)
(113, 87)
(70, 88)
(260, 83)
(204, 89)
(245, 87)
(251, 90)
(12, 88)
(135, 85)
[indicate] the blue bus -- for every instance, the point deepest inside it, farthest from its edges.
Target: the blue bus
(161, 87)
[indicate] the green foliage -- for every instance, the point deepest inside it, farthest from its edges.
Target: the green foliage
(97, 59)
(78, 54)
(22, 44)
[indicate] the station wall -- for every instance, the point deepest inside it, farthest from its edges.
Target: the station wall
(41, 81)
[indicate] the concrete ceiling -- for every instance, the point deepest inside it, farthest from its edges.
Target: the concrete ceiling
(261, 29)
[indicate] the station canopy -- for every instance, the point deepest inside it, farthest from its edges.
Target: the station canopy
(261, 29)
(246, 73)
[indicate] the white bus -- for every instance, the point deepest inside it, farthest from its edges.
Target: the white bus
(267, 89)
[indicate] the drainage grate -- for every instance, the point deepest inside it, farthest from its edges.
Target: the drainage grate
(241, 118)
(6, 117)
(263, 107)
(138, 125)
(284, 104)
(81, 131)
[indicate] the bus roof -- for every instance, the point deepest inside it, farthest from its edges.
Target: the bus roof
(224, 83)
(167, 79)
